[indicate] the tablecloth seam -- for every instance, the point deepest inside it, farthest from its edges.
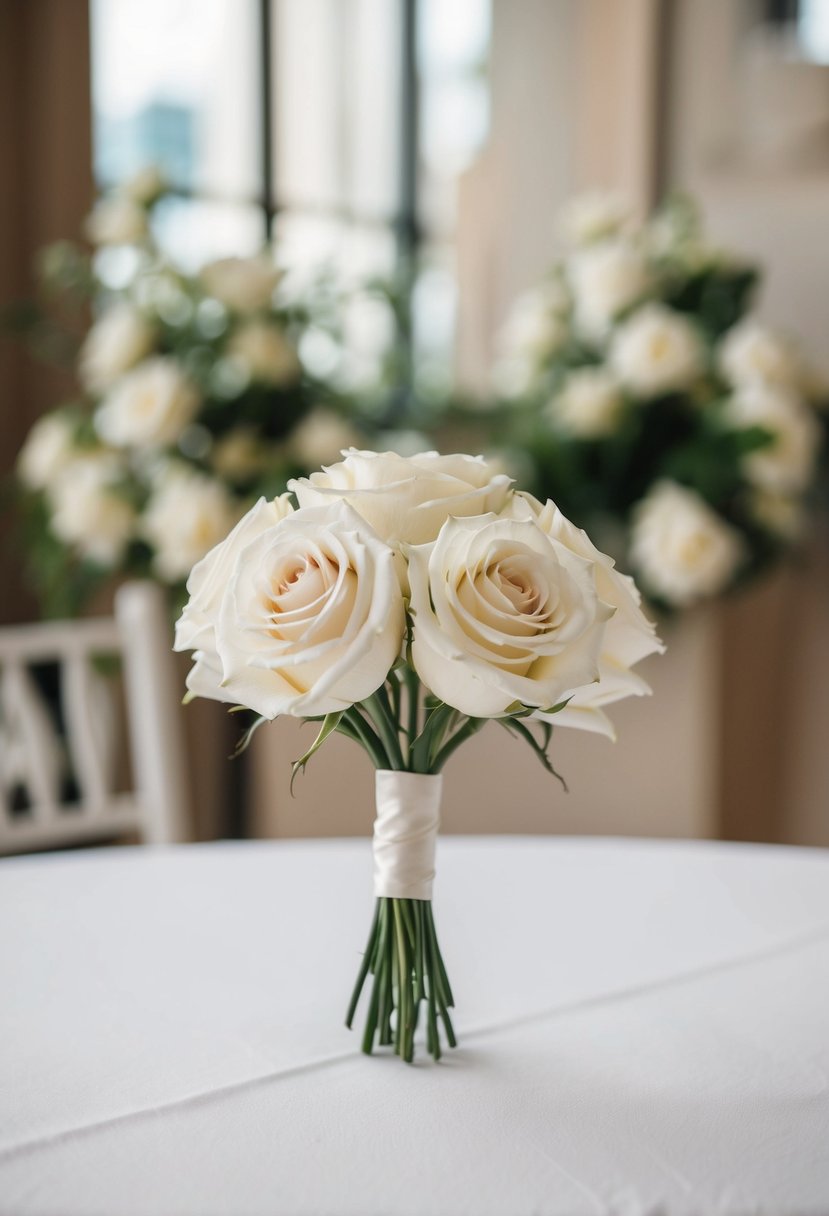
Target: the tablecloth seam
(798, 941)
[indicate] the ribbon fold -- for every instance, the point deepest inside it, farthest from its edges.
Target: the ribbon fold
(405, 833)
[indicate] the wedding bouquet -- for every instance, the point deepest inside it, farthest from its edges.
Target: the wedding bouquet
(667, 421)
(404, 603)
(194, 401)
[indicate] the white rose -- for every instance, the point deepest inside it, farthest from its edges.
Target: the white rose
(242, 284)
(265, 352)
(406, 499)
(628, 637)
(187, 514)
(682, 548)
(150, 406)
(535, 328)
(87, 510)
(117, 220)
(752, 355)
(320, 437)
(605, 279)
(589, 403)
(307, 615)
(503, 615)
(49, 447)
(115, 343)
(788, 462)
(145, 186)
(657, 351)
(594, 216)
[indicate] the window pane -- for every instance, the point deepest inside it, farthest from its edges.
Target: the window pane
(193, 231)
(305, 243)
(336, 66)
(176, 82)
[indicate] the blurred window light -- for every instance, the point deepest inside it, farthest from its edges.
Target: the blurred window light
(340, 128)
(805, 26)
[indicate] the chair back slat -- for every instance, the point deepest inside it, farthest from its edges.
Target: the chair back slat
(58, 787)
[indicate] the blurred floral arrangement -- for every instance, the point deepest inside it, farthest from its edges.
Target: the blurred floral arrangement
(195, 400)
(636, 391)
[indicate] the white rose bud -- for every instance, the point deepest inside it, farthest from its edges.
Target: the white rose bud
(406, 499)
(605, 279)
(594, 216)
(87, 510)
(117, 220)
(657, 351)
(788, 463)
(307, 614)
(752, 355)
(504, 615)
(149, 407)
(628, 636)
(241, 284)
(589, 404)
(187, 514)
(682, 548)
(49, 447)
(114, 344)
(266, 353)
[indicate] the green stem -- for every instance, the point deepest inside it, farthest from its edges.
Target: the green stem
(366, 737)
(378, 708)
(470, 727)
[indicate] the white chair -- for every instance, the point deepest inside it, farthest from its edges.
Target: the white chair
(35, 756)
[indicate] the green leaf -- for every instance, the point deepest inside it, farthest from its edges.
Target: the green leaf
(329, 725)
(244, 742)
(539, 747)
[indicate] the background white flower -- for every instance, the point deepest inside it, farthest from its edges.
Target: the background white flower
(187, 515)
(88, 512)
(605, 279)
(788, 462)
(117, 220)
(151, 405)
(49, 447)
(321, 437)
(593, 216)
(118, 340)
(265, 352)
(588, 404)
(242, 284)
(656, 351)
(752, 355)
(683, 550)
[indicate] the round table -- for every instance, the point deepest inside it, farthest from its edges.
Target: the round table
(644, 1028)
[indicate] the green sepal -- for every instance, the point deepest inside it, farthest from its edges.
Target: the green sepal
(329, 725)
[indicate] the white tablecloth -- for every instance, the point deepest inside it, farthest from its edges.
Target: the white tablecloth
(644, 1030)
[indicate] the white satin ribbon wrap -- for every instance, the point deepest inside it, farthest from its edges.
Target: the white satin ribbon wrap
(405, 833)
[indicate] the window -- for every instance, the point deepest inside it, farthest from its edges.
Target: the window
(339, 128)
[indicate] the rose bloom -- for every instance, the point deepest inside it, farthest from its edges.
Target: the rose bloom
(187, 514)
(656, 351)
(536, 327)
(320, 437)
(115, 343)
(787, 464)
(682, 548)
(594, 216)
(628, 636)
(49, 447)
(117, 220)
(588, 405)
(150, 406)
(752, 355)
(406, 499)
(303, 616)
(241, 284)
(504, 615)
(87, 510)
(266, 353)
(605, 278)
(782, 514)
